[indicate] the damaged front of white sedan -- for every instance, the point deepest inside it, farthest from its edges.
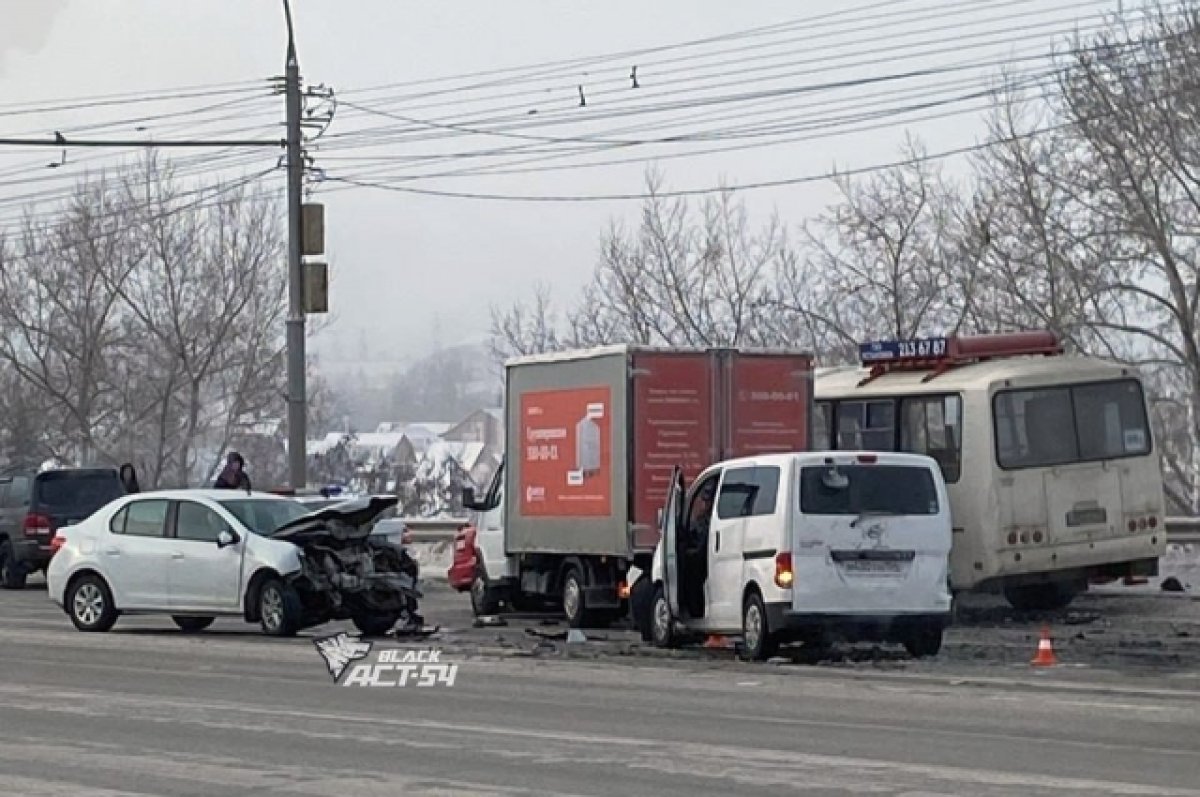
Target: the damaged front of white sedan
(346, 573)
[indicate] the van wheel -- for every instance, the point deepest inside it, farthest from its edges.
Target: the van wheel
(662, 625)
(923, 642)
(759, 642)
(1041, 597)
(484, 600)
(278, 608)
(12, 575)
(641, 608)
(90, 604)
(573, 602)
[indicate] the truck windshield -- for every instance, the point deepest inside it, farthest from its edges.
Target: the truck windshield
(1048, 426)
(868, 490)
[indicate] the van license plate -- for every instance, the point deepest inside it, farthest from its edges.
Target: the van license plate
(872, 567)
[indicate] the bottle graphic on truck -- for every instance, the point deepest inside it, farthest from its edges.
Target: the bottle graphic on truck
(587, 445)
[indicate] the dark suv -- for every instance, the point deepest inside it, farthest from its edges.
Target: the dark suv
(33, 506)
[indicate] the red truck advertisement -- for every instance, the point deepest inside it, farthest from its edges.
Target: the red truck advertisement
(566, 468)
(770, 406)
(673, 417)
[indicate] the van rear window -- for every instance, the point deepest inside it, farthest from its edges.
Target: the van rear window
(868, 489)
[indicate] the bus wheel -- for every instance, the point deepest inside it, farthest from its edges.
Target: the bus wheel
(1041, 597)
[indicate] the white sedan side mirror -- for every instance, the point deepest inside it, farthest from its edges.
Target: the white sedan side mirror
(226, 538)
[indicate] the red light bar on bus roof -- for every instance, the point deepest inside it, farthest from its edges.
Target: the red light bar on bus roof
(941, 354)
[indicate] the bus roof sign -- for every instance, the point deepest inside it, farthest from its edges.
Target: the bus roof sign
(916, 349)
(941, 354)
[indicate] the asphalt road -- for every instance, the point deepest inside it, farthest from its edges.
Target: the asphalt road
(146, 710)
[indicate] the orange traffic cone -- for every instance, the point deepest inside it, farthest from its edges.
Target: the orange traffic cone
(716, 642)
(1045, 651)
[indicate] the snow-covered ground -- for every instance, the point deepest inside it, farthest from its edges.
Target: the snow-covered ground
(1181, 562)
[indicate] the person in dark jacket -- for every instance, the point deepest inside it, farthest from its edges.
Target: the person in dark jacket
(233, 477)
(129, 479)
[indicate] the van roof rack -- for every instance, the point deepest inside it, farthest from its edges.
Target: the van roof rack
(939, 355)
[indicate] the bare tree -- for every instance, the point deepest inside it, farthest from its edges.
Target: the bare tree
(210, 285)
(525, 328)
(1130, 101)
(145, 328)
(61, 325)
(687, 276)
(885, 254)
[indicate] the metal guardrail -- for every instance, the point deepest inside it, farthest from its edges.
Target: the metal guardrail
(1183, 530)
(433, 529)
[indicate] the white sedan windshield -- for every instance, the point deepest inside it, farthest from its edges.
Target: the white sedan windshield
(264, 516)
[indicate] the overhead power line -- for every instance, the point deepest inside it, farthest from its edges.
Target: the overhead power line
(61, 141)
(549, 68)
(687, 192)
(134, 99)
(1011, 29)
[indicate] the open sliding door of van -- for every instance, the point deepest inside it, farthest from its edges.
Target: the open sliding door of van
(670, 539)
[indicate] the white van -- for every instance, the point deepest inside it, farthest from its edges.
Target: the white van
(804, 547)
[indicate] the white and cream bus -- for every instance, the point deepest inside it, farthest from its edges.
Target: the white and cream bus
(1052, 473)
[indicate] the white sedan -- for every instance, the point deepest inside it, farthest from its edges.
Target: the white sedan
(201, 554)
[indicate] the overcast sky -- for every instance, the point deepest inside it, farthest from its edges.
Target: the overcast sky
(412, 269)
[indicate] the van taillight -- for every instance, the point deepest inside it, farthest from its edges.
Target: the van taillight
(783, 570)
(36, 525)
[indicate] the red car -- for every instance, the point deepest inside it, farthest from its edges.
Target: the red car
(464, 566)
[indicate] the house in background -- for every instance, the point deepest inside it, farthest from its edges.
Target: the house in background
(482, 426)
(483, 433)
(399, 454)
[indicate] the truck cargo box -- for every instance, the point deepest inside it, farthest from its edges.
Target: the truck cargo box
(592, 436)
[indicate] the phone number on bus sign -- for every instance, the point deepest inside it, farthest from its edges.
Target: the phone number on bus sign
(915, 349)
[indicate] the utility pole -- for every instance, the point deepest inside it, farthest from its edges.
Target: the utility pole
(297, 400)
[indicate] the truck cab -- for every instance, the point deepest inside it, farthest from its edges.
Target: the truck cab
(480, 565)
(804, 547)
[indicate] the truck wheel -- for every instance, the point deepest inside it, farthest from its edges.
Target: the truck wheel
(662, 626)
(759, 642)
(923, 642)
(1041, 597)
(483, 597)
(12, 574)
(573, 604)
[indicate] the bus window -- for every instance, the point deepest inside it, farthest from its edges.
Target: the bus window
(1110, 419)
(822, 426)
(1035, 428)
(1061, 425)
(866, 425)
(932, 425)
